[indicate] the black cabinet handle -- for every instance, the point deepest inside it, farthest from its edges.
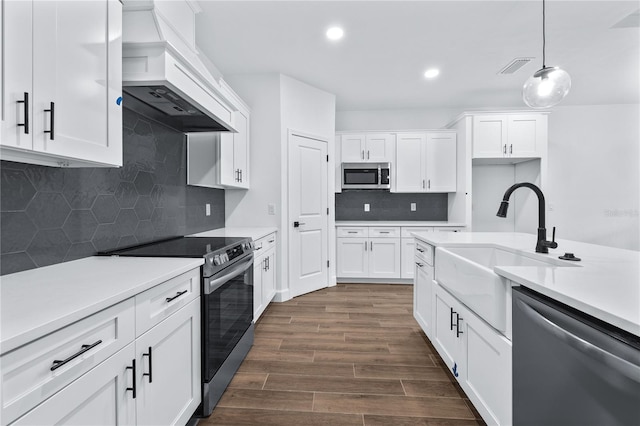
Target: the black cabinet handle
(458, 331)
(150, 373)
(178, 294)
(52, 110)
(451, 314)
(84, 348)
(240, 175)
(26, 113)
(420, 250)
(133, 388)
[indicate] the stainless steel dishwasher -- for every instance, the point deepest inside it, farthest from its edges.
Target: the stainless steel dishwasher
(570, 368)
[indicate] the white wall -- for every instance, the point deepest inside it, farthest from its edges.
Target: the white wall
(249, 208)
(593, 174)
(278, 103)
(394, 119)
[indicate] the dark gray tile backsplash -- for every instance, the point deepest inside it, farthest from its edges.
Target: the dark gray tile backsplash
(51, 215)
(385, 205)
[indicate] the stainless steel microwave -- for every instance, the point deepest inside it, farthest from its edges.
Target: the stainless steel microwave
(366, 175)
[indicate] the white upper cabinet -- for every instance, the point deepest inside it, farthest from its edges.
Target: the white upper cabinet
(509, 135)
(426, 162)
(221, 159)
(367, 147)
(62, 83)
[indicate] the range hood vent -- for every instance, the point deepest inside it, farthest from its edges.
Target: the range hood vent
(163, 75)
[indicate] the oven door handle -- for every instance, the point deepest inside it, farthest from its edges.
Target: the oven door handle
(212, 285)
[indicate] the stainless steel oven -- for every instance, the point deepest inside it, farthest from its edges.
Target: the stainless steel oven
(227, 327)
(366, 176)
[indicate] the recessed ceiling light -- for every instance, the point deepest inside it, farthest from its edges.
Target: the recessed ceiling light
(431, 73)
(335, 33)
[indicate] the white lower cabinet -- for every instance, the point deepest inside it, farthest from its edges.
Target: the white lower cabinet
(101, 370)
(422, 295)
(368, 252)
(264, 274)
(99, 397)
(477, 355)
(168, 369)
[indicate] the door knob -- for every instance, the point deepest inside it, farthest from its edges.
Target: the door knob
(297, 224)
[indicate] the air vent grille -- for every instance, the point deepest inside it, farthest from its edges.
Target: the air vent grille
(515, 65)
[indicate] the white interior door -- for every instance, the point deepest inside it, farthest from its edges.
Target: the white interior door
(308, 241)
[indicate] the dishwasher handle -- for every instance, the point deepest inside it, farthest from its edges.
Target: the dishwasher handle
(622, 366)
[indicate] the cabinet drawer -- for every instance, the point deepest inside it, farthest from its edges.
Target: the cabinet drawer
(27, 375)
(264, 244)
(448, 229)
(159, 302)
(424, 251)
(406, 231)
(352, 232)
(384, 231)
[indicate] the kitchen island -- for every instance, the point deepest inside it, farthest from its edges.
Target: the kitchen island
(463, 302)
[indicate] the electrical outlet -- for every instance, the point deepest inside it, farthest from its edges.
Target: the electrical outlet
(207, 209)
(413, 207)
(271, 209)
(366, 207)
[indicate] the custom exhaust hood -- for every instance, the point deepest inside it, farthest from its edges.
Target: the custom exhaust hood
(163, 75)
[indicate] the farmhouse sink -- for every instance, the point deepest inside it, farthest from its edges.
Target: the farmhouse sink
(467, 272)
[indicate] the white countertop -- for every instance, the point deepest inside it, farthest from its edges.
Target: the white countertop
(606, 284)
(254, 232)
(38, 301)
(395, 223)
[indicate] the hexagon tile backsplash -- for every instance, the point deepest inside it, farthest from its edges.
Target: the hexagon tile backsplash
(51, 215)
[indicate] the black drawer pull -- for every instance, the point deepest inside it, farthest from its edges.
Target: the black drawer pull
(133, 388)
(26, 113)
(452, 323)
(52, 110)
(270, 241)
(150, 373)
(458, 331)
(84, 348)
(178, 294)
(420, 250)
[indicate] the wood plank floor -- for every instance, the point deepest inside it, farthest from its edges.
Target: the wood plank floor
(348, 355)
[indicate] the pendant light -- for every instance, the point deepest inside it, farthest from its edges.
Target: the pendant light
(547, 86)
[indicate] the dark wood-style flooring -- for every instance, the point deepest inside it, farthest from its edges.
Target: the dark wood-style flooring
(347, 355)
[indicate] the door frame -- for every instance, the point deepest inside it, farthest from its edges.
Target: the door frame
(284, 290)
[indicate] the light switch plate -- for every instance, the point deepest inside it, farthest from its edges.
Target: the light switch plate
(413, 207)
(366, 207)
(207, 209)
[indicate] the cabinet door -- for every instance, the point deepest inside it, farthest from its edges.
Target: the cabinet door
(525, 135)
(77, 75)
(379, 147)
(269, 278)
(423, 298)
(168, 369)
(441, 162)
(258, 306)
(409, 165)
(352, 257)
(352, 148)
(241, 149)
(384, 258)
(487, 375)
(406, 257)
(489, 136)
(17, 74)
(444, 338)
(100, 397)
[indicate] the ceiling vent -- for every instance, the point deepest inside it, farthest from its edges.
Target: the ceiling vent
(515, 65)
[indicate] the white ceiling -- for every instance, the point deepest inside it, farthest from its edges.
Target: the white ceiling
(389, 44)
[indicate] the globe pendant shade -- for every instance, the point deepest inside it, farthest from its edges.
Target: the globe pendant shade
(546, 87)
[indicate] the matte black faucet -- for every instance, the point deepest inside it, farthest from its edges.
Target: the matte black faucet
(542, 246)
